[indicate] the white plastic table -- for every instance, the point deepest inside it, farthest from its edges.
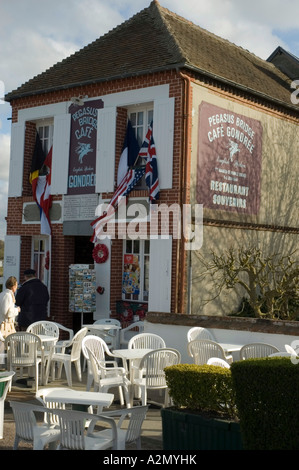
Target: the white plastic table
(99, 328)
(232, 348)
(130, 355)
(48, 341)
(78, 397)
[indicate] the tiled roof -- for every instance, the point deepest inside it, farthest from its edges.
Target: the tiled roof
(157, 39)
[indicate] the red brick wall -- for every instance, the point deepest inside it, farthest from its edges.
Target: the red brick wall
(63, 247)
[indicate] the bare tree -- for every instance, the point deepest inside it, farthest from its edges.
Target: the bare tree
(271, 283)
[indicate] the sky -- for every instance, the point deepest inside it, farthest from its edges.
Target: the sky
(34, 35)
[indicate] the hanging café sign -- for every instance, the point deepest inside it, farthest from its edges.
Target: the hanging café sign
(229, 160)
(82, 158)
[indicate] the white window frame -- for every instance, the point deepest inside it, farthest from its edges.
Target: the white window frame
(148, 113)
(143, 253)
(45, 277)
(43, 124)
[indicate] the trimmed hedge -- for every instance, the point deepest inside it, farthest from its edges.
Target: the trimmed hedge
(201, 388)
(266, 397)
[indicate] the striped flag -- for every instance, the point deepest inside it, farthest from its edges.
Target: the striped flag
(43, 197)
(124, 188)
(41, 184)
(148, 151)
(129, 153)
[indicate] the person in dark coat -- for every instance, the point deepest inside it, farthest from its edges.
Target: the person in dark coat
(33, 298)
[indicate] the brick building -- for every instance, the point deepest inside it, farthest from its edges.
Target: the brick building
(226, 136)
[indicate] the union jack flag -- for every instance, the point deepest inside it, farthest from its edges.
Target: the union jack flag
(148, 151)
(128, 182)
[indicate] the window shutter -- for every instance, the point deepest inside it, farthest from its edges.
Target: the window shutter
(160, 275)
(16, 159)
(60, 155)
(163, 129)
(12, 254)
(105, 160)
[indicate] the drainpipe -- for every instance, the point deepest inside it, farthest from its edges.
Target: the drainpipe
(185, 162)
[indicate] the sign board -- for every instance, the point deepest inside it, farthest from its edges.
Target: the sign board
(79, 207)
(83, 141)
(229, 160)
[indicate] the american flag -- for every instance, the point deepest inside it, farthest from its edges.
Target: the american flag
(124, 188)
(148, 151)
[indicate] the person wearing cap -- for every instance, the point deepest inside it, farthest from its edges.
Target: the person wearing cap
(33, 298)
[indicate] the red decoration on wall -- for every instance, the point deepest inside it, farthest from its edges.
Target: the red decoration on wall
(100, 290)
(100, 253)
(47, 261)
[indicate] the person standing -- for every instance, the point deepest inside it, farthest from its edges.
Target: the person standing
(33, 298)
(8, 310)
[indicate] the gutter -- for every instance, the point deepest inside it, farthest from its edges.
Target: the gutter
(185, 277)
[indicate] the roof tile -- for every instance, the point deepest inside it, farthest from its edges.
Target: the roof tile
(157, 39)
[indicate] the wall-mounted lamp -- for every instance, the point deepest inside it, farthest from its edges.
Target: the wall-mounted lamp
(78, 100)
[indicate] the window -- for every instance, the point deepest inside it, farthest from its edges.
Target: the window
(45, 132)
(135, 270)
(140, 119)
(40, 261)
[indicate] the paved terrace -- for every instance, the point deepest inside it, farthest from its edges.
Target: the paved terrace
(151, 437)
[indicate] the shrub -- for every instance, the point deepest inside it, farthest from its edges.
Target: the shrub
(203, 388)
(266, 397)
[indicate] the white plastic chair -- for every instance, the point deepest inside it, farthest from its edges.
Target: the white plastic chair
(129, 426)
(25, 350)
(217, 361)
(63, 343)
(108, 377)
(201, 350)
(110, 336)
(100, 349)
(67, 360)
(254, 350)
(197, 332)
(146, 341)
(44, 328)
(5, 385)
(49, 418)
(130, 331)
(143, 341)
(29, 430)
(75, 435)
(151, 372)
(290, 350)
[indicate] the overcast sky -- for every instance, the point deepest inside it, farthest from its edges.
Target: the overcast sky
(35, 34)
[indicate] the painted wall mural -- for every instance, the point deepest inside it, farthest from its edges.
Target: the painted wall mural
(229, 160)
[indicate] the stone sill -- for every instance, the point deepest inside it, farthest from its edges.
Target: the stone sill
(227, 323)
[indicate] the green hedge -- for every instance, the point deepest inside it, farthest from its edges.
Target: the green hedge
(201, 388)
(267, 401)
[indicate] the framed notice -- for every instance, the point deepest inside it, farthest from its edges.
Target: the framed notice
(229, 160)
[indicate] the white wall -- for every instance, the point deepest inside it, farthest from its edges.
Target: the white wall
(175, 336)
